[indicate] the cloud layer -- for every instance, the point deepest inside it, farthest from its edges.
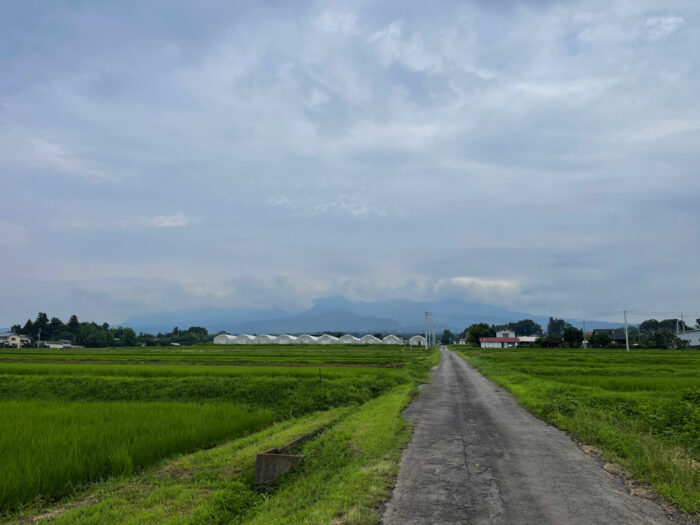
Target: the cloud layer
(164, 156)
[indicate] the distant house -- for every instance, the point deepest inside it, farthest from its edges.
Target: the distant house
(14, 340)
(616, 335)
(503, 339)
(462, 342)
(692, 336)
(53, 344)
(498, 342)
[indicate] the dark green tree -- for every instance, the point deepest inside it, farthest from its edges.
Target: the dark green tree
(447, 337)
(649, 326)
(599, 340)
(556, 327)
(128, 337)
(28, 329)
(479, 330)
(573, 337)
(55, 328)
(73, 325)
(526, 327)
(92, 336)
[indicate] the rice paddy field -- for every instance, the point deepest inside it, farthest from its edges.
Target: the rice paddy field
(74, 420)
(640, 409)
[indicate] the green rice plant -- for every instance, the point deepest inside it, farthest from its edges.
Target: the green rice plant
(49, 448)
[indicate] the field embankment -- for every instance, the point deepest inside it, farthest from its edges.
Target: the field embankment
(69, 425)
(641, 409)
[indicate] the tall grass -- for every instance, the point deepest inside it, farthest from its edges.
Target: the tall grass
(48, 448)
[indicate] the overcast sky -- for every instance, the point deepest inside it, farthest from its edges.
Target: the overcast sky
(162, 155)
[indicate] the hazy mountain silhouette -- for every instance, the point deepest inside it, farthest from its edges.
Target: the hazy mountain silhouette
(338, 314)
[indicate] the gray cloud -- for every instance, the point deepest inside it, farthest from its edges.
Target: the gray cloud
(252, 154)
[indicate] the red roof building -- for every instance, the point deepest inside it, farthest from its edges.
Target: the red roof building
(499, 342)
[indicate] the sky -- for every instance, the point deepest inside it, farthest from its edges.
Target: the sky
(167, 155)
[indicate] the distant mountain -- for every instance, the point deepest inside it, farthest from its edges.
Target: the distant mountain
(338, 314)
(213, 319)
(310, 322)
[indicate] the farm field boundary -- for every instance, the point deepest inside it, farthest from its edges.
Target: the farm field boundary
(641, 410)
(111, 421)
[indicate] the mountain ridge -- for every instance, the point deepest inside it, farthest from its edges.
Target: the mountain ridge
(338, 314)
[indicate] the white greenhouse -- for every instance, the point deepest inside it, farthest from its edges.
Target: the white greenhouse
(417, 340)
(264, 339)
(307, 339)
(392, 340)
(244, 339)
(285, 339)
(326, 339)
(370, 340)
(225, 339)
(348, 339)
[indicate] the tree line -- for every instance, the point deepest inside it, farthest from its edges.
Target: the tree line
(96, 335)
(649, 334)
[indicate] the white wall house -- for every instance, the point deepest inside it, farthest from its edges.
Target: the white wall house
(498, 342)
(692, 336)
(506, 333)
(417, 340)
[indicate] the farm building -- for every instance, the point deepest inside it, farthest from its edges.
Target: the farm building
(307, 339)
(499, 342)
(692, 336)
(616, 335)
(417, 340)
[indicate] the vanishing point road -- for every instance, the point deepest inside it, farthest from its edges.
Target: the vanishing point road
(476, 456)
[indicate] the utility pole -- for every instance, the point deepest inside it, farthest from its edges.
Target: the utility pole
(682, 323)
(427, 317)
(585, 343)
(38, 341)
(627, 337)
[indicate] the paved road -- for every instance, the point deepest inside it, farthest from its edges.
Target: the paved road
(476, 456)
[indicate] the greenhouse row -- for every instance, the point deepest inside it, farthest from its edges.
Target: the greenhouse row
(325, 339)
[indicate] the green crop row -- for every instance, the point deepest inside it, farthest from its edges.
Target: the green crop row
(49, 447)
